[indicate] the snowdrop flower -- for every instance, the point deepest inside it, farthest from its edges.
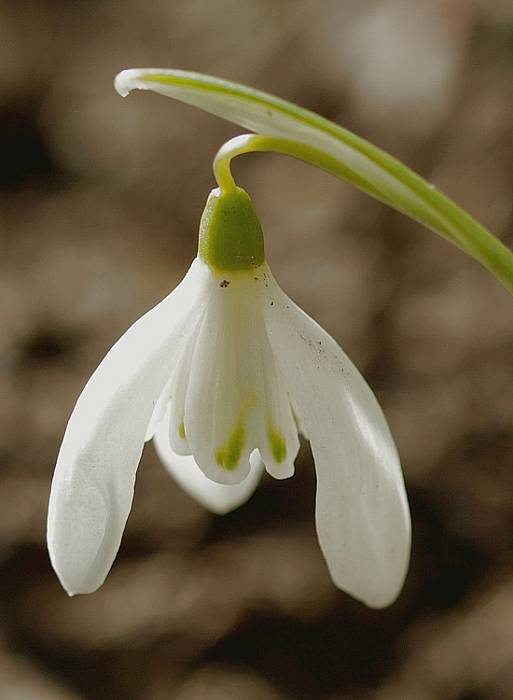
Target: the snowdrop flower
(223, 374)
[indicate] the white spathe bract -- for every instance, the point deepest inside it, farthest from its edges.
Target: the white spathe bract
(212, 373)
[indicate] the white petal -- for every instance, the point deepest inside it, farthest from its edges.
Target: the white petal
(362, 515)
(235, 398)
(217, 396)
(93, 482)
(178, 393)
(278, 440)
(160, 406)
(218, 498)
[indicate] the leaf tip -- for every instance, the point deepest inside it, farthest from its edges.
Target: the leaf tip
(128, 80)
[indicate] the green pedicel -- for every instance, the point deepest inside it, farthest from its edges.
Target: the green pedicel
(230, 236)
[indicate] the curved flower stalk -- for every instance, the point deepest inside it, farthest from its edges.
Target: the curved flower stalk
(223, 374)
(308, 136)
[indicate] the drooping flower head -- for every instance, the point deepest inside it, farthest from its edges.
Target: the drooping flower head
(223, 374)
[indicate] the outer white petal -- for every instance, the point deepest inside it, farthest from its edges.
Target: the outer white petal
(218, 498)
(362, 514)
(93, 482)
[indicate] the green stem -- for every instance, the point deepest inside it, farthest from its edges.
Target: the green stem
(222, 163)
(286, 128)
(444, 218)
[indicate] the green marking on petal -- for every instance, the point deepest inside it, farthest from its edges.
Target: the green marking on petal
(228, 455)
(181, 430)
(277, 443)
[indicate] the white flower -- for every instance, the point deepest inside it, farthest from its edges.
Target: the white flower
(222, 374)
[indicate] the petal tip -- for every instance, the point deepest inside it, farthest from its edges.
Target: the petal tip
(377, 584)
(74, 582)
(373, 596)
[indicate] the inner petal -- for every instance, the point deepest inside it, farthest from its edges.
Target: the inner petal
(178, 392)
(235, 400)
(278, 441)
(219, 398)
(176, 385)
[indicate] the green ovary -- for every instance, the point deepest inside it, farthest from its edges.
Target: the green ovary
(230, 237)
(277, 443)
(228, 455)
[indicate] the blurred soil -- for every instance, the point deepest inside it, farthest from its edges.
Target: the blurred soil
(100, 200)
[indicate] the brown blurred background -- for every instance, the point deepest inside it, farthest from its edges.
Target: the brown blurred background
(100, 200)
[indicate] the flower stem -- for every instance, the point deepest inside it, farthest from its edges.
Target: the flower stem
(436, 211)
(222, 169)
(285, 127)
